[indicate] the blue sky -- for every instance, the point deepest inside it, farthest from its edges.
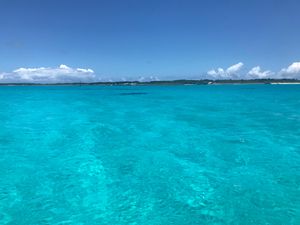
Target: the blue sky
(137, 38)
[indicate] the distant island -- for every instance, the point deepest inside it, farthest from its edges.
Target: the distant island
(164, 82)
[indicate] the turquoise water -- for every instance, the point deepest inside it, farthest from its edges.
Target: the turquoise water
(150, 155)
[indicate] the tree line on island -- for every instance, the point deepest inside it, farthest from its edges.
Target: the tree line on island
(168, 82)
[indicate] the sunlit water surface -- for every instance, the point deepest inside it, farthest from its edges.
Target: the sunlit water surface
(150, 155)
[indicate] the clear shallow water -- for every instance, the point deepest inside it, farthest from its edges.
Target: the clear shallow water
(150, 155)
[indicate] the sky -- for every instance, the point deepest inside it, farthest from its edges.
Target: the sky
(97, 40)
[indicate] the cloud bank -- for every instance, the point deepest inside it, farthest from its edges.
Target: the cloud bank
(292, 71)
(61, 74)
(236, 72)
(230, 72)
(66, 74)
(256, 72)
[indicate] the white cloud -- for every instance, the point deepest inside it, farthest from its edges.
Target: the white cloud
(234, 68)
(230, 72)
(293, 71)
(256, 72)
(59, 74)
(218, 72)
(148, 79)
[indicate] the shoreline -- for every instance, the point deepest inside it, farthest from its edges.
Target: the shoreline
(167, 83)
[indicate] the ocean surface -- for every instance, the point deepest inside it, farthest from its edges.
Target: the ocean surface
(181, 155)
